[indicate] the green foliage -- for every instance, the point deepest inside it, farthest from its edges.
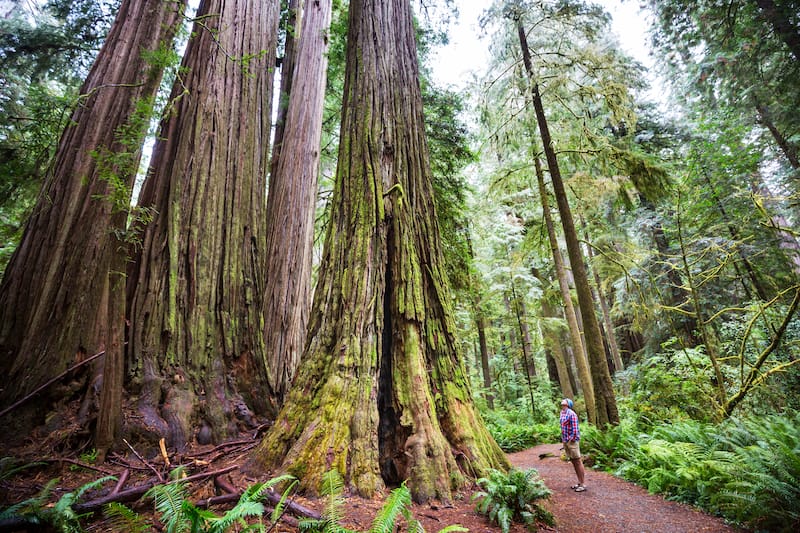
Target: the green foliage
(672, 385)
(513, 496)
(9, 467)
(610, 447)
(59, 515)
(764, 487)
(178, 514)
(121, 518)
(45, 51)
(514, 432)
(747, 470)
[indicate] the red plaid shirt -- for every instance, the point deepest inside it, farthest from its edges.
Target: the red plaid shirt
(569, 426)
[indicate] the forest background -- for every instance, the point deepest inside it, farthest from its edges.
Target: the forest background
(677, 277)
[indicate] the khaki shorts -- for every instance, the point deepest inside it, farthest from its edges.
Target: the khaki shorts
(572, 450)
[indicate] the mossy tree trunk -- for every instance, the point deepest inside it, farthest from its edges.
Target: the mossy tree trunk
(195, 344)
(381, 394)
(291, 207)
(54, 296)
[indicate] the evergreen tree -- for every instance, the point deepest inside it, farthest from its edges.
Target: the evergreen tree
(381, 394)
(195, 350)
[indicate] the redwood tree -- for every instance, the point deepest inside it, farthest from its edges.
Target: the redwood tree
(54, 297)
(291, 203)
(605, 401)
(196, 285)
(381, 394)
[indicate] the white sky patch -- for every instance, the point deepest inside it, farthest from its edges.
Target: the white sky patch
(467, 54)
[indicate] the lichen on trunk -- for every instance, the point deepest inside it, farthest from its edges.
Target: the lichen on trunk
(195, 345)
(381, 394)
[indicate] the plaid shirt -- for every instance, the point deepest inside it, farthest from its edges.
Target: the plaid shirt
(569, 426)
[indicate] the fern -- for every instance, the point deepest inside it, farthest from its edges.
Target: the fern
(59, 515)
(121, 518)
(506, 497)
(397, 504)
(168, 501)
(331, 488)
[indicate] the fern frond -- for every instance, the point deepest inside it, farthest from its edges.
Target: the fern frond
(168, 501)
(9, 467)
(122, 518)
(281, 505)
(332, 487)
(399, 500)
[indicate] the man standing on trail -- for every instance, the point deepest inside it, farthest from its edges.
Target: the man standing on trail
(570, 436)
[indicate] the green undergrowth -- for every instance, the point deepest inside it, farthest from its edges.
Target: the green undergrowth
(514, 431)
(506, 498)
(746, 470)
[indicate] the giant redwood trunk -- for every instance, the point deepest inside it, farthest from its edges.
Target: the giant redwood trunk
(195, 343)
(381, 394)
(54, 296)
(291, 207)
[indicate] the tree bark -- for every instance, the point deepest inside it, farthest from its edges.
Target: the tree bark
(381, 394)
(788, 148)
(290, 208)
(598, 295)
(605, 401)
(53, 288)
(287, 64)
(553, 340)
(780, 18)
(480, 323)
(196, 286)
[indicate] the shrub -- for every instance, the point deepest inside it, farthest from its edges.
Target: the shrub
(747, 470)
(513, 496)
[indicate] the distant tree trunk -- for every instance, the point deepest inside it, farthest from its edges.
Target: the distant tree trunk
(196, 287)
(605, 401)
(481, 325)
(553, 341)
(788, 148)
(53, 299)
(290, 208)
(581, 359)
(781, 18)
(743, 262)
(288, 62)
(484, 358)
(678, 295)
(528, 363)
(597, 292)
(381, 394)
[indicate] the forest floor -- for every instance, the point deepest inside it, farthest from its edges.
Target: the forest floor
(608, 505)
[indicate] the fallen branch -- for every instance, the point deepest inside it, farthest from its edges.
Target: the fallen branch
(144, 462)
(234, 497)
(80, 464)
(48, 383)
(123, 478)
(296, 508)
(134, 493)
(222, 446)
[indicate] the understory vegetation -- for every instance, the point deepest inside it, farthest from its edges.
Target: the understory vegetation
(594, 219)
(745, 469)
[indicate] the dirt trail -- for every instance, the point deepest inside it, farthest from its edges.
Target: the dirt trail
(610, 504)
